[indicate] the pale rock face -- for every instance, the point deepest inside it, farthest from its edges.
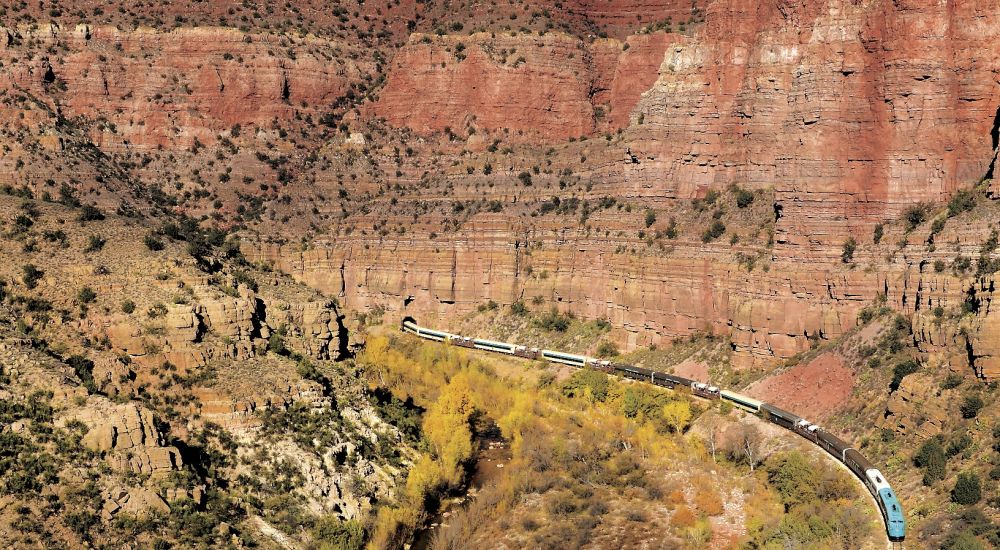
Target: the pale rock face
(127, 436)
(134, 501)
(918, 406)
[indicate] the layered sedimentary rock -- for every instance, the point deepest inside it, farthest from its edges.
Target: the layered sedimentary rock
(850, 111)
(845, 113)
(172, 87)
(546, 86)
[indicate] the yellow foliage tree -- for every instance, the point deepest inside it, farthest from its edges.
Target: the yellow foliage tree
(446, 426)
(677, 415)
(425, 476)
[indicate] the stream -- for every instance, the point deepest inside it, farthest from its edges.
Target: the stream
(493, 456)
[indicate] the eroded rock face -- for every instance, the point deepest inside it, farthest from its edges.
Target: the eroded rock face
(128, 437)
(918, 406)
(848, 112)
(170, 88)
(547, 86)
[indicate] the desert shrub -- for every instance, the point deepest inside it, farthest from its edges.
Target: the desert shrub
(518, 308)
(878, 233)
(554, 321)
(94, 244)
(914, 216)
(968, 489)
(86, 295)
(744, 197)
(847, 252)
(961, 264)
(31, 275)
(650, 217)
(128, 306)
(714, 231)
(156, 310)
(932, 460)
(84, 369)
(607, 349)
(962, 201)
(90, 213)
(971, 405)
(152, 242)
(963, 540)
(959, 444)
(953, 380)
(671, 231)
(902, 370)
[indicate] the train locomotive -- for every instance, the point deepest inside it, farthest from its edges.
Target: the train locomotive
(885, 497)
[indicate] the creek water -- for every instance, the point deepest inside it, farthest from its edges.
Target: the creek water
(493, 457)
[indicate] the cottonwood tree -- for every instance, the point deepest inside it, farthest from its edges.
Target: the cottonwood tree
(745, 445)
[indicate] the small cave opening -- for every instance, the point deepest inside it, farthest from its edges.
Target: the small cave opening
(50, 76)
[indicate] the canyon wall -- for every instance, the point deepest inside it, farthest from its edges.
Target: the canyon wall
(840, 114)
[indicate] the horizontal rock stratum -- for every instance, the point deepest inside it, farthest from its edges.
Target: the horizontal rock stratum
(839, 115)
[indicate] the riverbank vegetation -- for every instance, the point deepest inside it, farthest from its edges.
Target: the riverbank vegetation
(594, 460)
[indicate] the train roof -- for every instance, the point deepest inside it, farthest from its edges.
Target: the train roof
(860, 459)
(839, 444)
(780, 412)
(733, 396)
(493, 343)
(565, 355)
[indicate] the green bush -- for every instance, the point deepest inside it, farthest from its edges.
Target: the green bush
(744, 197)
(31, 275)
(931, 458)
(968, 489)
(902, 370)
(650, 217)
(128, 306)
(554, 321)
(518, 308)
(607, 349)
(94, 244)
(86, 295)
(332, 533)
(847, 253)
(962, 201)
(952, 381)
(153, 243)
(914, 216)
(587, 382)
(90, 213)
(971, 406)
(963, 540)
(714, 231)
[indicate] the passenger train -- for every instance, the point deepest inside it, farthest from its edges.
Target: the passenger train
(892, 510)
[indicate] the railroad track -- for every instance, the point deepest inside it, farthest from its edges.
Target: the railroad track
(876, 483)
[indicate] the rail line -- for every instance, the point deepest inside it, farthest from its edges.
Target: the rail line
(874, 481)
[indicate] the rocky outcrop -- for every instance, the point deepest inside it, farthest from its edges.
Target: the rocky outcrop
(919, 406)
(128, 438)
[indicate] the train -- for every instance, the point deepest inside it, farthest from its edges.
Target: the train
(873, 479)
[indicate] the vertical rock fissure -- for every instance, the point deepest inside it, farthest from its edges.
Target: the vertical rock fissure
(995, 140)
